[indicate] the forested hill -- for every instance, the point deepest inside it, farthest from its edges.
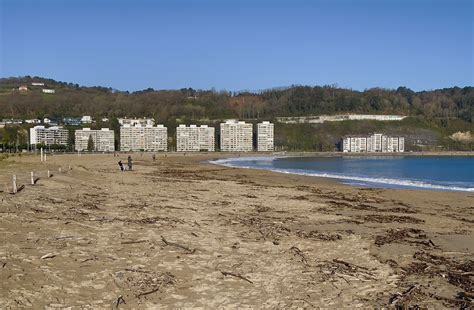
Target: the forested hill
(440, 119)
(189, 104)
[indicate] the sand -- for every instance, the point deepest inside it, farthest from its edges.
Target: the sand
(180, 232)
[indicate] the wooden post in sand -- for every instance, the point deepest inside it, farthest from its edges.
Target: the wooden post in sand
(14, 184)
(59, 170)
(44, 159)
(49, 174)
(41, 154)
(32, 178)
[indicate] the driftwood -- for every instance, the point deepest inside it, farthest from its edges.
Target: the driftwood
(403, 299)
(149, 292)
(133, 241)
(237, 275)
(299, 253)
(177, 245)
(349, 265)
(120, 300)
(49, 255)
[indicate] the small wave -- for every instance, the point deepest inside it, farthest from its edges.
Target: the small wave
(231, 162)
(228, 162)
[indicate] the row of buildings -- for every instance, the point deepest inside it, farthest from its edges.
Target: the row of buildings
(374, 143)
(235, 136)
(52, 121)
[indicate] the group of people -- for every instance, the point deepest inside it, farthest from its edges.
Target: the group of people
(129, 162)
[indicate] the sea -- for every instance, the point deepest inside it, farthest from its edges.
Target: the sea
(438, 173)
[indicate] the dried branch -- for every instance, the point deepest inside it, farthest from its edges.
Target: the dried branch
(177, 245)
(237, 275)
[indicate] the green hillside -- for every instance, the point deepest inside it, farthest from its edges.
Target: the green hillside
(434, 115)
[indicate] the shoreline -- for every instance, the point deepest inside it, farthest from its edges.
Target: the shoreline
(350, 180)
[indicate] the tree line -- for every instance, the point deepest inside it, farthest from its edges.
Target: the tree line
(187, 103)
(443, 110)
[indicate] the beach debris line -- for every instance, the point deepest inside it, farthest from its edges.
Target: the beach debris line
(345, 270)
(314, 234)
(143, 282)
(177, 245)
(406, 235)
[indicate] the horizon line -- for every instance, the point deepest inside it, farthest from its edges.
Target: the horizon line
(252, 91)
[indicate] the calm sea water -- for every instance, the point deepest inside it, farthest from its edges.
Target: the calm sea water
(443, 173)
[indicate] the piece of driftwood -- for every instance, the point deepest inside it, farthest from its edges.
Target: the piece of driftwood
(403, 298)
(133, 241)
(299, 253)
(349, 265)
(177, 245)
(237, 275)
(148, 292)
(49, 255)
(120, 301)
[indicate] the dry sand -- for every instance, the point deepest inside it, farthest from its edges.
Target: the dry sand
(179, 232)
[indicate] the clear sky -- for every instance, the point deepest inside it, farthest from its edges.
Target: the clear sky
(236, 45)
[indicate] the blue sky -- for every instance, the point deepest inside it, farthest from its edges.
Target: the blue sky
(236, 45)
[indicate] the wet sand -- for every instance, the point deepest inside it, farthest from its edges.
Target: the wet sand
(180, 232)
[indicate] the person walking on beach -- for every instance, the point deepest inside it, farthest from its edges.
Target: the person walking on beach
(130, 163)
(120, 165)
(154, 157)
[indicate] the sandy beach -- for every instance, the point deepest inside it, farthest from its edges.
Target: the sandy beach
(179, 232)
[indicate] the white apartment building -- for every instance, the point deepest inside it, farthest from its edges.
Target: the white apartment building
(48, 91)
(315, 119)
(136, 121)
(265, 137)
(86, 119)
(48, 136)
(33, 121)
(236, 136)
(401, 144)
(373, 143)
(143, 138)
(37, 84)
(103, 139)
(195, 139)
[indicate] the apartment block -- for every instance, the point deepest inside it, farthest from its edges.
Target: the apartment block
(103, 139)
(143, 138)
(236, 136)
(136, 121)
(48, 136)
(373, 143)
(265, 139)
(195, 138)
